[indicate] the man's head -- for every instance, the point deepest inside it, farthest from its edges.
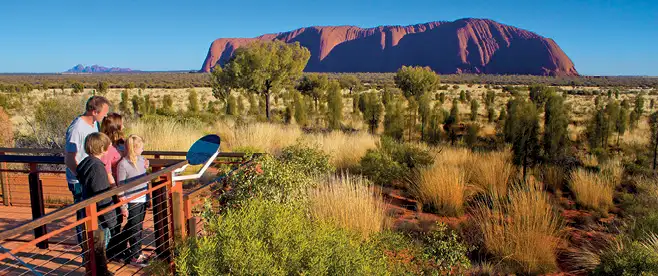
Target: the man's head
(97, 107)
(97, 144)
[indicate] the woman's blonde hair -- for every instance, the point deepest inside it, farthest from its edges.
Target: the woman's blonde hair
(132, 143)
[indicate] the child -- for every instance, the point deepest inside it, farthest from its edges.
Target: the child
(94, 180)
(132, 166)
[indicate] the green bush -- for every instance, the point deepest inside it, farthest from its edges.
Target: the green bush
(311, 161)
(269, 238)
(631, 258)
(380, 167)
(390, 162)
(445, 251)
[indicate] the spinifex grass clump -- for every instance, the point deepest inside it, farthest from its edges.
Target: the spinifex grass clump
(591, 190)
(523, 231)
(491, 172)
(348, 202)
(443, 187)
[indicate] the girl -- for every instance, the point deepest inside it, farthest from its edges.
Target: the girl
(132, 166)
(112, 126)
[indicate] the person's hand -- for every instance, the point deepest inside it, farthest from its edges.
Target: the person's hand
(124, 212)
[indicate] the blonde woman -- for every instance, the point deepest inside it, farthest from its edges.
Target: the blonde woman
(132, 166)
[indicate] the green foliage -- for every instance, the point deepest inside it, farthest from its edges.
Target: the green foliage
(51, 118)
(301, 113)
(394, 120)
(264, 67)
(434, 131)
(125, 102)
(602, 125)
(489, 98)
(444, 249)
(314, 86)
(77, 87)
(232, 106)
(539, 94)
(424, 110)
(416, 80)
(350, 82)
(269, 238)
(442, 97)
(653, 126)
(411, 117)
(392, 160)
(556, 121)
(372, 110)
(491, 115)
(474, 109)
(284, 179)
(639, 105)
(522, 131)
(628, 258)
(137, 105)
(335, 106)
(192, 101)
(471, 134)
(462, 96)
(102, 87)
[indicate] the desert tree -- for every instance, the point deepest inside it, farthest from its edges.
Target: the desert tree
(653, 126)
(556, 121)
(394, 119)
(137, 105)
(621, 123)
(231, 106)
(437, 118)
(167, 104)
(372, 111)
(192, 101)
(442, 97)
(524, 134)
(424, 110)
(264, 67)
(102, 87)
(350, 82)
(300, 107)
(77, 87)
(471, 136)
(462, 96)
(314, 86)
(452, 121)
(539, 94)
(491, 114)
(415, 81)
(334, 105)
(411, 114)
(474, 109)
(124, 104)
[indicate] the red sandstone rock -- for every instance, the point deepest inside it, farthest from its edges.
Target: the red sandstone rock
(462, 46)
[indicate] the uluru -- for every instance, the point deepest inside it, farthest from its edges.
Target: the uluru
(469, 45)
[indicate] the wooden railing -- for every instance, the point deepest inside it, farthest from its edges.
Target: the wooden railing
(172, 210)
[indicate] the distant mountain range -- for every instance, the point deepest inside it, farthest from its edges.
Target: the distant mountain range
(463, 46)
(98, 69)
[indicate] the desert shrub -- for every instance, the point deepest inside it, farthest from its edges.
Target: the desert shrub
(523, 232)
(391, 161)
(442, 187)
(628, 258)
(591, 190)
(269, 238)
(380, 167)
(310, 161)
(7, 133)
(345, 150)
(348, 202)
(445, 251)
(51, 119)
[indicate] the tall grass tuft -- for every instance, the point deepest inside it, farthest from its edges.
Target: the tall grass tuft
(270, 138)
(350, 203)
(443, 187)
(522, 232)
(491, 172)
(591, 190)
(613, 171)
(345, 150)
(166, 134)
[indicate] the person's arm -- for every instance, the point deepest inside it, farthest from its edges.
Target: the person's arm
(70, 162)
(121, 178)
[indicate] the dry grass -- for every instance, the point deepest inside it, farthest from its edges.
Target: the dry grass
(591, 190)
(270, 138)
(345, 150)
(613, 171)
(349, 202)
(443, 187)
(166, 135)
(524, 231)
(590, 160)
(553, 177)
(491, 172)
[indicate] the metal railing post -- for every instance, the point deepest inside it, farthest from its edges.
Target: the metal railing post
(4, 181)
(37, 204)
(161, 219)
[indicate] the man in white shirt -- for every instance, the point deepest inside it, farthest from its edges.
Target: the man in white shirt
(96, 109)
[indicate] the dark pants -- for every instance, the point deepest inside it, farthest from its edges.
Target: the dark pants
(132, 231)
(76, 190)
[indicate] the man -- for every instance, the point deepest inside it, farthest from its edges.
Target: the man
(96, 109)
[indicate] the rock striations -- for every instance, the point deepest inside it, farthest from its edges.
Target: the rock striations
(462, 46)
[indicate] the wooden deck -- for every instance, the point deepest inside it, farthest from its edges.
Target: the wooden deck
(63, 255)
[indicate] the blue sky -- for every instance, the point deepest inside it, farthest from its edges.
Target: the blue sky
(601, 37)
